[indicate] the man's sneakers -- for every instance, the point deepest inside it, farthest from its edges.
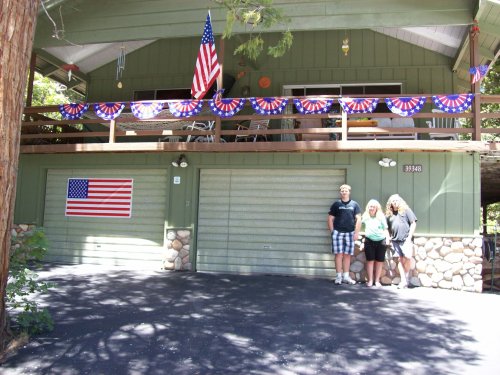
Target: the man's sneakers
(346, 280)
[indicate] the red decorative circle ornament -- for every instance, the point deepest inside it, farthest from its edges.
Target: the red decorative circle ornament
(264, 82)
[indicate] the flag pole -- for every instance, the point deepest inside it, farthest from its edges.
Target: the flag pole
(218, 122)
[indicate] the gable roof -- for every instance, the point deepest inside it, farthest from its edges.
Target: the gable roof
(94, 31)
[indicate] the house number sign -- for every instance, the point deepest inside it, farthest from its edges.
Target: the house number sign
(412, 168)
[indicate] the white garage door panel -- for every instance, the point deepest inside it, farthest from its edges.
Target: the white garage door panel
(266, 221)
(137, 241)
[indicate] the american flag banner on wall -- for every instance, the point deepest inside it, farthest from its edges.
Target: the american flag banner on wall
(99, 197)
(207, 66)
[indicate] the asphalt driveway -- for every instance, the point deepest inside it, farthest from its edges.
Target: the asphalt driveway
(116, 321)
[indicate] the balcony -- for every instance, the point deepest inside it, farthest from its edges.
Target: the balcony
(41, 133)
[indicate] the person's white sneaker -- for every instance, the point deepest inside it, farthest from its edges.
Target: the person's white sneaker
(348, 280)
(338, 280)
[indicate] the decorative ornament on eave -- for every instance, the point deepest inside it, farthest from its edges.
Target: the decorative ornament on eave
(70, 68)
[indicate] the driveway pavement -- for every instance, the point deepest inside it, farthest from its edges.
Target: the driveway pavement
(117, 321)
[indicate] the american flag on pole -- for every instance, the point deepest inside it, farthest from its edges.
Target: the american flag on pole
(207, 66)
(99, 197)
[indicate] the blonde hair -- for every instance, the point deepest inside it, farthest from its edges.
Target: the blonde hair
(345, 186)
(379, 214)
(403, 206)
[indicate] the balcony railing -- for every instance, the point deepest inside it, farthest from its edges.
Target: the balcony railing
(41, 133)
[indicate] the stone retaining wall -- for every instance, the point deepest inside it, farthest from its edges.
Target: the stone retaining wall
(443, 262)
(176, 255)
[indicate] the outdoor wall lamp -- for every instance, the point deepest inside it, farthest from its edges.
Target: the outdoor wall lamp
(387, 162)
(181, 161)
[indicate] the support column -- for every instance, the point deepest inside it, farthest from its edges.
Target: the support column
(476, 104)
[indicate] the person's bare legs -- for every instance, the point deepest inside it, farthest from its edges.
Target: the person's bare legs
(378, 271)
(402, 272)
(346, 261)
(338, 263)
(369, 272)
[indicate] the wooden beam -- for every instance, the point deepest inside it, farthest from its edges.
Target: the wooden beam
(299, 146)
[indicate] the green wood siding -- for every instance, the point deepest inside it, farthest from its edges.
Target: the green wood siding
(315, 58)
(266, 221)
(134, 241)
(445, 196)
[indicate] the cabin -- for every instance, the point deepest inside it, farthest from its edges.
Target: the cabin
(378, 95)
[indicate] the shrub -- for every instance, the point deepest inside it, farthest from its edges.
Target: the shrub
(28, 250)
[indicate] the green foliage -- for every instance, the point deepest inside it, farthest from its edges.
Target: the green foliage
(490, 85)
(259, 15)
(28, 251)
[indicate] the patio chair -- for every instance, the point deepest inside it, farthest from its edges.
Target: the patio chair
(443, 123)
(208, 126)
(253, 125)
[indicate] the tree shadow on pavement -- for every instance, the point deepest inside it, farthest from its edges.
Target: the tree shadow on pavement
(132, 322)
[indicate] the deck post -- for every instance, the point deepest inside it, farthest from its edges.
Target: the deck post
(344, 126)
(475, 87)
(112, 129)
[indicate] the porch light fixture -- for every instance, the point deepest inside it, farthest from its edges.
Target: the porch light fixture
(181, 161)
(387, 162)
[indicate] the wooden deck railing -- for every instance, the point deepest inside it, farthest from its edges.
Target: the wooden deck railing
(41, 133)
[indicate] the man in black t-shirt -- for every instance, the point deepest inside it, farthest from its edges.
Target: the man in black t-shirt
(344, 222)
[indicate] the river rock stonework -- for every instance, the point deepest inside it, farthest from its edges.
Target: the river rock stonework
(438, 262)
(177, 250)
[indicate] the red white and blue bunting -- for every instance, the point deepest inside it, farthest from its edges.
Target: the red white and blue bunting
(406, 106)
(73, 111)
(358, 105)
(478, 72)
(146, 110)
(185, 108)
(313, 106)
(456, 103)
(269, 106)
(108, 111)
(226, 107)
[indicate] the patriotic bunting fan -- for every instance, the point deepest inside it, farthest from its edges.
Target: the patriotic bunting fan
(185, 108)
(313, 106)
(145, 110)
(226, 107)
(456, 103)
(269, 106)
(406, 106)
(358, 105)
(73, 111)
(478, 72)
(108, 111)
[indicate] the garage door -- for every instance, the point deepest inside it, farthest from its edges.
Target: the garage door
(266, 221)
(136, 241)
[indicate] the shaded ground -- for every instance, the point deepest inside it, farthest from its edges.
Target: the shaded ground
(145, 322)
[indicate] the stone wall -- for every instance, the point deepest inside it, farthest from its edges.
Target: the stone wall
(177, 251)
(439, 262)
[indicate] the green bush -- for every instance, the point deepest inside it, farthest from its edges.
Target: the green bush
(28, 250)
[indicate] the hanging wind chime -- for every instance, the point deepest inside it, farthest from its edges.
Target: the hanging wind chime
(120, 67)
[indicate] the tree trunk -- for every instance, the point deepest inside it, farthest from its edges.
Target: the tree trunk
(17, 28)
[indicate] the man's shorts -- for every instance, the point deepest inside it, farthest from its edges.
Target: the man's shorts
(374, 250)
(402, 249)
(343, 242)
